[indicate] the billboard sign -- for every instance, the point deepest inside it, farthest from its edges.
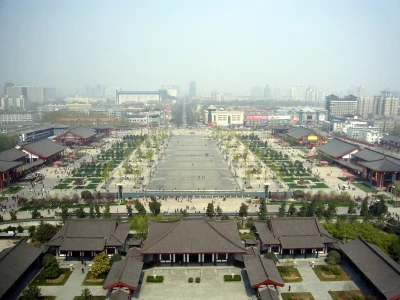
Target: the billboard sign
(256, 118)
(312, 138)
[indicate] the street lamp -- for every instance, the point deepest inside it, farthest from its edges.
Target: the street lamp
(266, 187)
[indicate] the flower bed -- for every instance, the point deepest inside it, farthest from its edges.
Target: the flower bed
(90, 279)
(232, 278)
(330, 273)
(156, 279)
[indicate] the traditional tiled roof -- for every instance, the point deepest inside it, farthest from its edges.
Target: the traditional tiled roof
(124, 273)
(12, 154)
(268, 294)
(383, 165)
(14, 262)
(7, 165)
(120, 294)
(300, 132)
(193, 235)
(90, 235)
(43, 148)
(382, 271)
(293, 233)
(82, 132)
(337, 148)
(261, 271)
(391, 138)
(368, 155)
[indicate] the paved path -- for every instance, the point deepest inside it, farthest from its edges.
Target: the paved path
(73, 287)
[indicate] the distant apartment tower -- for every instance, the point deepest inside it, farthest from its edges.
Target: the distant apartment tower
(365, 107)
(257, 92)
(299, 92)
(6, 85)
(278, 93)
(386, 105)
(192, 89)
(338, 107)
(16, 92)
(360, 92)
(35, 94)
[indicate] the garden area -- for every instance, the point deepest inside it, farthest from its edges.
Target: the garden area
(99, 270)
(347, 295)
(289, 272)
(51, 274)
(12, 190)
(79, 183)
(331, 273)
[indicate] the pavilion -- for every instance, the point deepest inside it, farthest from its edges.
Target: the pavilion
(192, 240)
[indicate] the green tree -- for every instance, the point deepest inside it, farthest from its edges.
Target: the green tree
(1, 219)
(364, 207)
(262, 214)
(86, 295)
(129, 210)
(87, 196)
(394, 250)
(140, 207)
(13, 216)
(219, 210)
(20, 229)
(378, 209)
(51, 269)
(225, 217)
(35, 214)
(107, 213)
(330, 212)
(31, 230)
(154, 205)
(282, 210)
(140, 224)
(91, 212)
(80, 213)
(352, 207)
(292, 209)
(32, 292)
(114, 258)
(101, 264)
(243, 210)
(7, 141)
(210, 211)
(333, 257)
(97, 210)
(64, 214)
(45, 232)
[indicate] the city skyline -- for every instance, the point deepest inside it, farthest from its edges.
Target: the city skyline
(225, 45)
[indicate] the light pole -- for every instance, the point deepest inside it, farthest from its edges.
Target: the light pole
(266, 187)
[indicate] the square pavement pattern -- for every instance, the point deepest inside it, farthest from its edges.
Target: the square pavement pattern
(192, 163)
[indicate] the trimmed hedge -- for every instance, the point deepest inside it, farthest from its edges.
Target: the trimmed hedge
(234, 278)
(197, 279)
(190, 279)
(157, 279)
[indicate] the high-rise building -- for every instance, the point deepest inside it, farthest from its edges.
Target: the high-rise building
(192, 89)
(6, 85)
(361, 92)
(338, 107)
(267, 92)
(365, 107)
(386, 105)
(299, 92)
(16, 91)
(257, 92)
(35, 94)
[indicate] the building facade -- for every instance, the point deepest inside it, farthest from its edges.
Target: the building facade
(339, 107)
(123, 97)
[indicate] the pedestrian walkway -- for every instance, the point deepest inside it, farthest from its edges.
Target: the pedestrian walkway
(73, 287)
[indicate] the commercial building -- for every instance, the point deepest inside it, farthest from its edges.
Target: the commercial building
(257, 121)
(7, 102)
(220, 117)
(279, 120)
(123, 97)
(77, 136)
(391, 142)
(309, 116)
(339, 107)
(365, 107)
(18, 116)
(299, 92)
(45, 150)
(304, 136)
(144, 119)
(386, 105)
(370, 135)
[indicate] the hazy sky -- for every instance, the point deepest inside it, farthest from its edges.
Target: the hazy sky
(225, 45)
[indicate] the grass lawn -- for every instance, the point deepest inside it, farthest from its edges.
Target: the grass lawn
(319, 186)
(329, 276)
(92, 280)
(12, 190)
(3, 198)
(293, 276)
(91, 186)
(364, 187)
(344, 295)
(94, 298)
(62, 186)
(297, 296)
(61, 280)
(95, 180)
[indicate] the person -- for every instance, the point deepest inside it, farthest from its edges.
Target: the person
(83, 271)
(289, 288)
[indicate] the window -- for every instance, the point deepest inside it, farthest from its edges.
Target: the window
(165, 257)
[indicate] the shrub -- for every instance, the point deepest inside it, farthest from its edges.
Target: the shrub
(51, 268)
(326, 268)
(197, 279)
(271, 256)
(190, 279)
(157, 279)
(335, 271)
(357, 297)
(333, 257)
(234, 278)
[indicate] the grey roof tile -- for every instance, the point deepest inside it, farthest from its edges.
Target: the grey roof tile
(44, 148)
(124, 273)
(261, 271)
(377, 266)
(369, 155)
(337, 148)
(12, 154)
(299, 132)
(7, 165)
(382, 165)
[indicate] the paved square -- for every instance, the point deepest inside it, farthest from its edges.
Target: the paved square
(192, 163)
(212, 285)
